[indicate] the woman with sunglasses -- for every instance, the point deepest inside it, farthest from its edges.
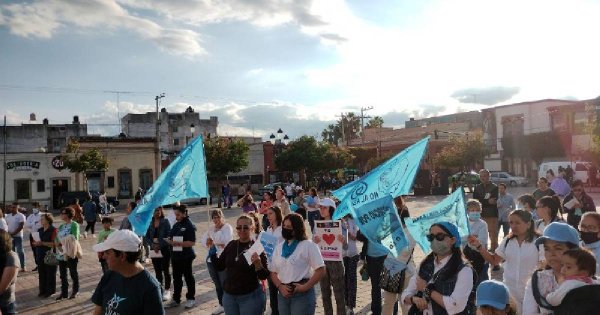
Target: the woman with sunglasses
(217, 237)
(444, 283)
(334, 270)
(517, 253)
(296, 267)
(182, 239)
(68, 229)
(243, 293)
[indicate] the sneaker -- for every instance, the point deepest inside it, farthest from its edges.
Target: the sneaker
(94, 235)
(190, 303)
(35, 269)
(84, 234)
(218, 310)
(172, 303)
(166, 295)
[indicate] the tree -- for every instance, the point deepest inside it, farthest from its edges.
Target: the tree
(81, 163)
(462, 152)
(345, 128)
(375, 122)
(224, 156)
(305, 153)
(536, 146)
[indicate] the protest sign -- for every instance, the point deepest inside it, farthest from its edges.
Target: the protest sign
(330, 246)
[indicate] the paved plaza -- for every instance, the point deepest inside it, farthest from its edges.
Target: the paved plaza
(206, 300)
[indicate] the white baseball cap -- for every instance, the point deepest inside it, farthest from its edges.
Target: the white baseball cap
(327, 202)
(121, 240)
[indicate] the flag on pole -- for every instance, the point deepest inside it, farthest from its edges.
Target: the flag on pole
(394, 177)
(378, 221)
(184, 178)
(452, 209)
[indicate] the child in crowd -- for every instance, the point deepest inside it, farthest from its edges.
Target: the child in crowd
(102, 236)
(493, 299)
(578, 268)
(479, 230)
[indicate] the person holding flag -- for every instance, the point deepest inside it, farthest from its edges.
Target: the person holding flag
(444, 283)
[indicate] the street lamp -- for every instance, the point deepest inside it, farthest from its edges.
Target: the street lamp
(286, 140)
(272, 139)
(279, 134)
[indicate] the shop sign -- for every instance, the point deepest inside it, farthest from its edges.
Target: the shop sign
(58, 163)
(22, 165)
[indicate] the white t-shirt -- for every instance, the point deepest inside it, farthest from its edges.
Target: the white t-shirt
(33, 222)
(520, 261)
(13, 221)
(3, 225)
(352, 249)
(276, 233)
(299, 265)
(289, 190)
(555, 298)
(220, 237)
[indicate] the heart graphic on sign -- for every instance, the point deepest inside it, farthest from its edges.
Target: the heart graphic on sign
(329, 238)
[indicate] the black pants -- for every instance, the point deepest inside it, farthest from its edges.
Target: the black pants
(374, 267)
(91, 225)
(70, 264)
(182, 268)
(161, 268)
(273, 293)
(47, 279)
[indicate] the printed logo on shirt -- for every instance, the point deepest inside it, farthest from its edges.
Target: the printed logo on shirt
(113, 305)
(182, 229)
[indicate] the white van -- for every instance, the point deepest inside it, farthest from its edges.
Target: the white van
(580, 169)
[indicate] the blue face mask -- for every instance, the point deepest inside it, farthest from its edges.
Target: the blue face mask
(474, 216)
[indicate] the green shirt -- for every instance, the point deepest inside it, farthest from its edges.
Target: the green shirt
(102, 235)
(66, 229)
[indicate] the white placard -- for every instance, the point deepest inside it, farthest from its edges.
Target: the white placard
(328, 231)
(155, 254)
(36, 236)
(570, 203)
(178, 239)
(255, 248)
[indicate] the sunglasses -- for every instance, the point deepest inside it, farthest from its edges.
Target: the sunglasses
(242, 227)
(216, 217)
(439, 237)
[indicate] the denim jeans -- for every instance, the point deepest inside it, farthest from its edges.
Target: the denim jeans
(218, 277)
(298, 304)
(350, 265)
(252, 303)
(9, 309)
(18, 248)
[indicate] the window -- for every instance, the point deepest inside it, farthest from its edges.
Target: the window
(111, 182)
(41, 185)
(174, 129)
(145, 179)
(175, 141)
(125, 184)
(22, 189)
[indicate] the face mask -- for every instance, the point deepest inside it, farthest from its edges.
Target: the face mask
(440, 247)
(35, 211)
(589, 237)
(474, 216)
(287, 234)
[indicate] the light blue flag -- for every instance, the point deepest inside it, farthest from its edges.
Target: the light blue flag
(184, 178)
(269, 242)
(394, 177)
(452, 209)
(378, 221)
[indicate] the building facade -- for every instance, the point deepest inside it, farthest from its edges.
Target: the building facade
(44, 137)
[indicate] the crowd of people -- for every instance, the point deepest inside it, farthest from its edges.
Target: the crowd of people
(546, 262)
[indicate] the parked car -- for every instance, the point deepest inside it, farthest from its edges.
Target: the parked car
(580, 169)
(269, 187)
(67, 198)
(194, 201)
(466, 179)
(507, 179)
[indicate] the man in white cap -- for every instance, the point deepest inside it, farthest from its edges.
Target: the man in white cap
(126, 288)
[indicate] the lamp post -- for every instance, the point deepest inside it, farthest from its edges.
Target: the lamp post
(157, 163)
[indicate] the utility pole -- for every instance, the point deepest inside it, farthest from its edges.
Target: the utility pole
(362, 121)
(157, 159)
(4, 168)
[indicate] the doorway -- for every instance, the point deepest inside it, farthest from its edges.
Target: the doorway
(58, 187)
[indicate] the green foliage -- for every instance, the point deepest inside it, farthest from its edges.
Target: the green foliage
(462, 152)
(595, 150)
(303, 153)
(224, 156)
(375, 122)
(78, 162)
(362, 156)
(333, 133)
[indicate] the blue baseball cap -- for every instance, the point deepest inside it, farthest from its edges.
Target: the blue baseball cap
(450, 229)
(559, 232)
(492, 293)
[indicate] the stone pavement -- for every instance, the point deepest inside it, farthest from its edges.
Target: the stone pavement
(90, 272)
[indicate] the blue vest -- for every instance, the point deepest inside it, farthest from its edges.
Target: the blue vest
(445, 286)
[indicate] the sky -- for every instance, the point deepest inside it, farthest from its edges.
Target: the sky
(291, 64)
